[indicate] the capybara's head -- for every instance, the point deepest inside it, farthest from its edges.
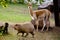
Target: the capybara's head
(17, 26)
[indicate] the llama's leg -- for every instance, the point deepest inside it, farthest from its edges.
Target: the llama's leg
(44, 24)
(47, 28)
(37, 28)
(47, 25)
(37, 25)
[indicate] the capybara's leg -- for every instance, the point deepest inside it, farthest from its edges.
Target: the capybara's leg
(22, 34)
(18, 33)
(32, 34)
(26, 35)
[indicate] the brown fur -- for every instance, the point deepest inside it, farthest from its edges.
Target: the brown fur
(38, 14)
(25, 28)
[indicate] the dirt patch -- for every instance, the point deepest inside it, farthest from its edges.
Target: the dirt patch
(53, 34)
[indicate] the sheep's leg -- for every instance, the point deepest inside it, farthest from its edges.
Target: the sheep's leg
(43, 25)
(26, 35)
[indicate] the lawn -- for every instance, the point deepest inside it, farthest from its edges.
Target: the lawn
(19, 13)
(15, 13)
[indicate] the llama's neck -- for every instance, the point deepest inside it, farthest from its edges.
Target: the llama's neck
(30, 9)
(33, 16)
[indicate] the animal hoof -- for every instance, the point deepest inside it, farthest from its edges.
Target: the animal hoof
(33, 37)
(46, 30)
(42, 31)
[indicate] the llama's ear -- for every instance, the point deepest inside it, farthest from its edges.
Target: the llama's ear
(29, 4)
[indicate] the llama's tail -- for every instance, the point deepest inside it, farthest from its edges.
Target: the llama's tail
(49, 14)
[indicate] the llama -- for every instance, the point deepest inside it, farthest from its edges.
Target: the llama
(38, 15)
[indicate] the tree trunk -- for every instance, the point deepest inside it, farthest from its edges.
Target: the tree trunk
(56, 12)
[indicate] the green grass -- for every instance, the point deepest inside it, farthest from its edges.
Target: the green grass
(20, 13)
(15, 13)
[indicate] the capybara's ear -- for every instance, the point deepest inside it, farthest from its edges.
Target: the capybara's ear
(16, 24)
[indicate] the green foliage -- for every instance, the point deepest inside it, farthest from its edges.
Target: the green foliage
(36, 0)
(3, 3)
(28, 0)
(21, 1)
(41, 1)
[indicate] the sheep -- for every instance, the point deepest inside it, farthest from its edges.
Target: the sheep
(25, 28)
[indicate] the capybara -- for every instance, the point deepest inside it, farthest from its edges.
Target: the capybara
(26, 27)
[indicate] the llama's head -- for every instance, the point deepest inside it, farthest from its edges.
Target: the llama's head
(29, 4)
